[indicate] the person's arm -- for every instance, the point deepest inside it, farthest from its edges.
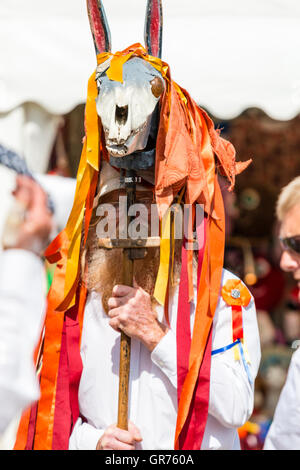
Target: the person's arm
(22, 302)
(22, 306)
(164, 356)
(131, 311)
(231, 393)
(84, 436)
(284, 433)
(227, 375)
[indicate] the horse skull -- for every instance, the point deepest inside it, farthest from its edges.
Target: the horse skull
(126, 109)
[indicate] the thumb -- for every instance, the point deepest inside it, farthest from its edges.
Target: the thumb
(134, 431)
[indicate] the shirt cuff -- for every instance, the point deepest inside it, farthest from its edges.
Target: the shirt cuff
(164, 356)
(84, 436)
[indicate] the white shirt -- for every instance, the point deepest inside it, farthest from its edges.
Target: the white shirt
(284, 433)
(22, 307)
(153, 381)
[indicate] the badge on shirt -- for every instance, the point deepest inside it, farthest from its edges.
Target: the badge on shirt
(236, 295)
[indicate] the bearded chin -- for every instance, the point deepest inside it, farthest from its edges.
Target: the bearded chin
(102, 268)
(104, 271)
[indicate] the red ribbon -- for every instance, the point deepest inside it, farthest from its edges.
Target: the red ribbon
(237, 322)
(69, 374)
(193, 430)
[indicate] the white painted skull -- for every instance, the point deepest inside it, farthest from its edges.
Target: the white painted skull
(126, 109)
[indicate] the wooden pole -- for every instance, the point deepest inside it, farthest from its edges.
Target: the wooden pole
(125, 343)
(125, 349)
(132, 249)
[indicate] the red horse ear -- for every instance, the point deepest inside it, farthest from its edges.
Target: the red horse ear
(99, 26)
(154, 27)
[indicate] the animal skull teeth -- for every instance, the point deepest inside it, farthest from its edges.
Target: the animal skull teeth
(117, 150)
(118, 147)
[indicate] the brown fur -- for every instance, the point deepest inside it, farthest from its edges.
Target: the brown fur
(103, 268)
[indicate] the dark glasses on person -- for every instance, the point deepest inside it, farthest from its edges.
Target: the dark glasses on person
(291, 243)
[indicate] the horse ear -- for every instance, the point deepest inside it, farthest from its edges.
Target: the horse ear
(99, 26)
(154, 27)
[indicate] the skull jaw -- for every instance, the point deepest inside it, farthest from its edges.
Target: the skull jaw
(136, 141)
(142, 160)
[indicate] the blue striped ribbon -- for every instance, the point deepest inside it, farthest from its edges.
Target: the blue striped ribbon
(226, 348)
(230, 346)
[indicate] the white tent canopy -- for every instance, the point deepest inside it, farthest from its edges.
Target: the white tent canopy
(229, 54)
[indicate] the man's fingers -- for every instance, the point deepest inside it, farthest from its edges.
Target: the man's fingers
(126, 437)
(38, 222)
(38, 200)
(134, 431)
(23, 190)
(113, 313)
(115, 302)
(119, 445)
(111, 443)
(115, 438)
(114, 323)
(32, 196)
(121, 291)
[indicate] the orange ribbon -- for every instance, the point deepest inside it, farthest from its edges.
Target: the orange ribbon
(207, 298)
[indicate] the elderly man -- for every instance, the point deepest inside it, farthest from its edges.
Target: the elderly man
(284, 433)
(112, 307)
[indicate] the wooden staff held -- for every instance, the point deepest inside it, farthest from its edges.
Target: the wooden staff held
(132, 249)
(125, 343)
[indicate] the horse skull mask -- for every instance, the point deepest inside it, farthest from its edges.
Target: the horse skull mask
(129, 110)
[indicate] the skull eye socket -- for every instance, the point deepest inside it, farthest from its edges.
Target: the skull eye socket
(157, 87)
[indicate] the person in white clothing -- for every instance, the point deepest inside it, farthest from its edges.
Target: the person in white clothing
(153, 386)
(22, 302)
(284, 433)
(111, 308)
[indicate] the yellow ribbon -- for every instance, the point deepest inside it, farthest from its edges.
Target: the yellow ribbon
(168, 234)
(162, 279)
(89, 163)
(115, 70)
